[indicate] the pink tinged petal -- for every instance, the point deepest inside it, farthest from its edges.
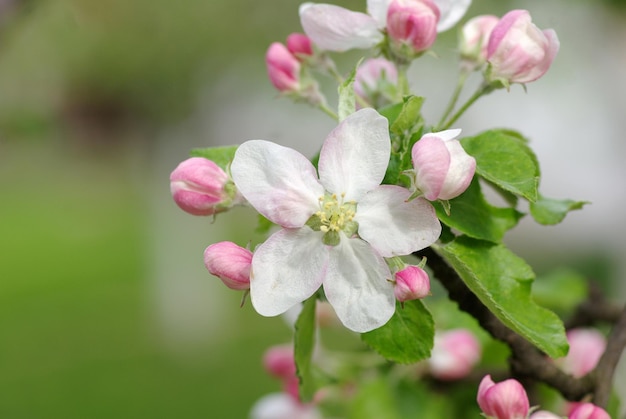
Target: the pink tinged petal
(504, 400)
(378, 10)
(586, 346)
(279, 361)
(412, 283)
(283, 406)
(197, 186)
(485, 384)
(334, 28)
(454, 355)
(393, 226)
(278, 182)
(460, 173)
(229, 262)
(283, 68)
(299, 44)
(544, 414)
(451, 12)
(357, 286)
(588, 411)
(287, 269)
(431, 160)
(355, 155)
(413, 22)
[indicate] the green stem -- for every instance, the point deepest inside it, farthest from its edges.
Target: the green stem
(455, 97)
(324, 108)
(482, 90)
(403, 82)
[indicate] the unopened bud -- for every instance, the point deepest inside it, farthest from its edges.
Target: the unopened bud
(588, 411)
(504, 400)
(279, 361)
(473, 40)
(230, 263)
(586, 346)
(283, 68)
(375, 81)
(454, 354)
(411, 283)
(299, 45)
(412, 26)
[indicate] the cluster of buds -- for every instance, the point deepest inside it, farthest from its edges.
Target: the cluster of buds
(515, 50)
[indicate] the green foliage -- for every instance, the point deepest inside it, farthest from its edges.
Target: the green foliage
(471, 214)
(548, 211)
(561, 289)
(375, 400)
(502, 282)
(304, 343)
(409, 120)
(408, 335)
(222, 156)
(504, 158)
(347, 102)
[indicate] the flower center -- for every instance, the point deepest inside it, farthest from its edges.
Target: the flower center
(334, 216)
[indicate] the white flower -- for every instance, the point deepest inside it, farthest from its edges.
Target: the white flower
(334, 28)
(336, 230)
(282, 406)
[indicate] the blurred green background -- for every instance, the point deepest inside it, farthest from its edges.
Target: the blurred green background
(106, 310)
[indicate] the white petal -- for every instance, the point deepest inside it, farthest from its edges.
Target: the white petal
(357, 286)
(393, 226)
(286, 270)
(446, 135)
(451, 12)
(333, 28)
(355, 155)
(282, 406)
(378, 10)
(278, 182)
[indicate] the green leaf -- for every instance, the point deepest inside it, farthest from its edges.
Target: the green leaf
(304, 342)
(502, 282)
(222, 156)
(374, 400)
(505, 159)
(471, 214)
(391, 112)
(263, 225)
(408, 335)
(548, 211)
(561, 289)
(409, 119)
(347, 99)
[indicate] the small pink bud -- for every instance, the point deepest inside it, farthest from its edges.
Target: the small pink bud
(230, 263)
(518, 51)
(283, 68)
(474, 38)
(443, 170)
(412, 24)
(373, 77)
(588, 411)
(586, 346)
(299, 45)
(454, 355)
(279, 361)
(412, 283)
(198, 187)
(504, 400)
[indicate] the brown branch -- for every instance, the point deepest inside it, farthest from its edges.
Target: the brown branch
(604, 371)
(596, 308)
(526, 360)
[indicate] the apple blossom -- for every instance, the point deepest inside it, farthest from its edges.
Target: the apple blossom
(588, 411)
(334, 28)
(411, 283)
(283, 68)
(504, 400)
(336, 230)
(375, 81)
(518, 51)
(443, 170)
(544, 414)
(473, 40)
(201, 187)
(230, 263)
(412, 26)
(586, 346)
(454, 354)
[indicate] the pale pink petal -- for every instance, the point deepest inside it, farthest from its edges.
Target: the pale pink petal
(431, 159)
(278, 182)
(378, 10)
(451, 12)
(357, 286)
(542, 67)
(393, 226)
(287, 269)
(282, 406)
(355, 155)
(544, 414)
(333, 28)
(460, 173)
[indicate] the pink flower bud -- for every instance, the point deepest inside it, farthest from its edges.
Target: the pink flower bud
(198, 187)
(588, 411)
(443, 170)
(454, 355)
(279, 361)
(412, 24)
(230, 263)
(544, 414)
(299, 45)
(412, 283)
(518, 51)
(474, 38)
(372, 77)
(283, 68)
(586, 346)
(504, 400)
